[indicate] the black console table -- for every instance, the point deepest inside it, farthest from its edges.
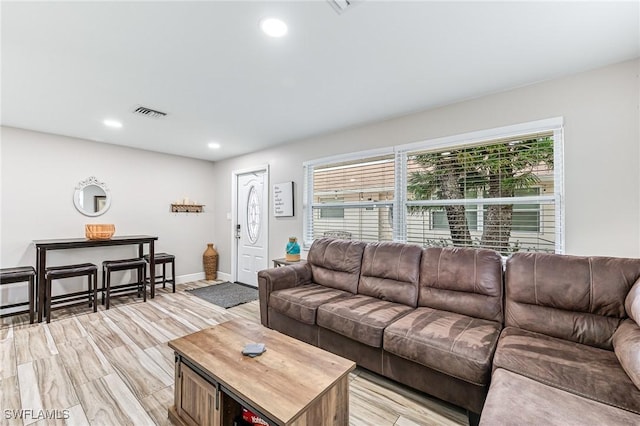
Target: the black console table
(42, 246)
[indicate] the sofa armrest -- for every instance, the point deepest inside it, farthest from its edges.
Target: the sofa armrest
(626, 344)
(273, 279)
(632, 302)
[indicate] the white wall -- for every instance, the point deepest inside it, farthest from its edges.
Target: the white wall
(39, 173)
(602, 155)
(602, 174)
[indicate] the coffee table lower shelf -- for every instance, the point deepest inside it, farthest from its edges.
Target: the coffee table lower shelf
(201, 401)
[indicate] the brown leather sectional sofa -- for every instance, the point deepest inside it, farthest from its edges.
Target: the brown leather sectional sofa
(434, 319)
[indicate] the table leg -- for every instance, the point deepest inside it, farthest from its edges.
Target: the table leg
(152, 268)
(144, 281)
(32, 296)
(41, 264)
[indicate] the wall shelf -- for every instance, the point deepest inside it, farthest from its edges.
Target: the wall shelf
(187, 208)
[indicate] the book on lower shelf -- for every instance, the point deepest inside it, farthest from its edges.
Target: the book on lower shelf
(248, 418)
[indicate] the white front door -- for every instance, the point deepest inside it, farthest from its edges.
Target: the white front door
(251, 226)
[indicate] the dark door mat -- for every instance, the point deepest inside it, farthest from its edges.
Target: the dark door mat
(226, 294)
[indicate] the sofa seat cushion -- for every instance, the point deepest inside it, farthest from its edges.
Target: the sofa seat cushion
(580, 369)
(301, 303)
(517, 400)
(361, 318)
(451, 343)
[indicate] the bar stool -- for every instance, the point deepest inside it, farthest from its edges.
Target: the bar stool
(163, 259)
(68, 271)
(17, 275)
(108, 266)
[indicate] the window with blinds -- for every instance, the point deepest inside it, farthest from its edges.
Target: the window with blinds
(497, 194)
(352, 199)
(500, 192)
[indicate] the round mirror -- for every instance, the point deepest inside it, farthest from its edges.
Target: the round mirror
(92, 198)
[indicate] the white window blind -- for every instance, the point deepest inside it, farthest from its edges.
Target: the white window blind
(351, 199)
(498, 194)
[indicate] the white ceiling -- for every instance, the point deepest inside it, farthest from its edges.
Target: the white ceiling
(66, 66)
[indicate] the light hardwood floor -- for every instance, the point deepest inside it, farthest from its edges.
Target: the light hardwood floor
(114, 367)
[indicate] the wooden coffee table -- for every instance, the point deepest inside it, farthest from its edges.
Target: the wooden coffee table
(292, 383)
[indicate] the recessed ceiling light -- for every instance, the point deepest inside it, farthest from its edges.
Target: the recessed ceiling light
(273, 27)
(112, 123)
(214, 145)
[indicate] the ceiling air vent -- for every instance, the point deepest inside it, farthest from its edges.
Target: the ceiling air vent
(148, 112)
(341, 5)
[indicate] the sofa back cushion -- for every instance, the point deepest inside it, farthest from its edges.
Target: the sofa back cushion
(462, 280)
(336, 263)
(580, 299)
(390, 271)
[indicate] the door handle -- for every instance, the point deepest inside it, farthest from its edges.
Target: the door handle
(238, 231)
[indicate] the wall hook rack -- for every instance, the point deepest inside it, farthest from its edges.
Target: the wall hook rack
(187, 208)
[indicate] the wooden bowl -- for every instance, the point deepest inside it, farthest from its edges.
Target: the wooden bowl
(99, 231)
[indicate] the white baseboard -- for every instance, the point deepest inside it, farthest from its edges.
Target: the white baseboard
(224, 276)
(181, 279)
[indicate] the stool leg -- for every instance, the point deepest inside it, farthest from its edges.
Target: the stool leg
(104, 283)
(47, 301)
(144, 283)
(31, 300)
(40, 282)
(89, 287)
(173, 275)
(140, 272)
(95, 290)
(108, 273)
(164, 274)
(137, 282)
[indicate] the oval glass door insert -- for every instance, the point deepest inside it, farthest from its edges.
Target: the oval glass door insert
(253, 215)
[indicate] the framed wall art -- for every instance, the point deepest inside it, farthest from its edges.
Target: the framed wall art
(283, 199)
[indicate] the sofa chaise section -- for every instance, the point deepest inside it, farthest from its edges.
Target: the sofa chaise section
(567, 330)
(516, 400)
